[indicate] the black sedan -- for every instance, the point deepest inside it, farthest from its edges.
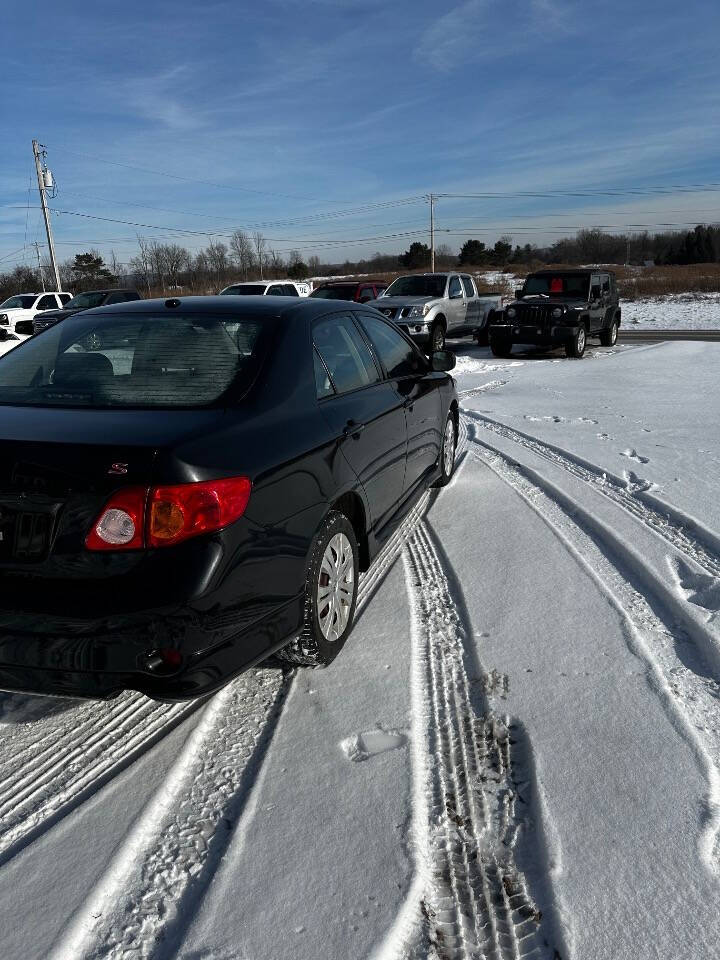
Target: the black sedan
(204, 493)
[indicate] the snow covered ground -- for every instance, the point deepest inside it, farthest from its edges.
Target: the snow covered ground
(691, 311)
(516, 755)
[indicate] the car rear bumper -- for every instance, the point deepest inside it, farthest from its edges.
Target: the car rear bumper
(101, 658)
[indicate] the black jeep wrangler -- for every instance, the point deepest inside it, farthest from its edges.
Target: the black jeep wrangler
(557, 307)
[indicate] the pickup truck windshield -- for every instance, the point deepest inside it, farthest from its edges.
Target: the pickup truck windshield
(131, 361)
(19, 303)
(418, 286)
(558, 285)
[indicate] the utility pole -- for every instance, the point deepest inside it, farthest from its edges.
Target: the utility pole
(432, 233)
(45, 179)
(40, 269)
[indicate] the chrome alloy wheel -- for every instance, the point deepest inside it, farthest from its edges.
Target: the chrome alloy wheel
(449, 446)
(613, 334)
(438, 338)
(581, 340)
(336, 587)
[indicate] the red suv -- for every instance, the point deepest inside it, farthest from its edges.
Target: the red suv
(359, 291)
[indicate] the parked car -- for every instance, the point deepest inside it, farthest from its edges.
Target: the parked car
(560, 308)
(358, 291)
(83, 301)
(264, 288)
(433, 306)
(175, 511)
(24, 307)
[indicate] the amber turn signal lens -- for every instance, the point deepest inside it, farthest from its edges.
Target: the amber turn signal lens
(167, 520)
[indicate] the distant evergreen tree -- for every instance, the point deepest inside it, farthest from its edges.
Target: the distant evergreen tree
(415, 257)
(473, 252)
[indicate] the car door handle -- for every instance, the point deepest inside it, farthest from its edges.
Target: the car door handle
(352, 428)
(408, 404)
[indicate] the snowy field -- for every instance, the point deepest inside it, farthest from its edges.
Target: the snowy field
(690, 311)
(516, 755)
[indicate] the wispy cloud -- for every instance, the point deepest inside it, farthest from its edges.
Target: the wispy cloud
(452, 39)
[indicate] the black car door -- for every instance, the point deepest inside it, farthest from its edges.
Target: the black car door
(364, 411)
(415, 382)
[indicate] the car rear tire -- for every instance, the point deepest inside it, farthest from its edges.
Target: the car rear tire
(447, 453)
(437, 337)
(576, 346)
(500, 347)
(608, 338)
(330, 595)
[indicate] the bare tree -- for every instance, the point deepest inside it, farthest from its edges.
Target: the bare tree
(260, 250)
(314, 265)
(242, 252)
(276, 263)
(217, 255)
(142, 263)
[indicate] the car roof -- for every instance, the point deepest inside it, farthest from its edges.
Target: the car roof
(221, 305)
(349, 283)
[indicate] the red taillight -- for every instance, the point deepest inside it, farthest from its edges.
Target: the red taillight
(163, 516)
(176, 513)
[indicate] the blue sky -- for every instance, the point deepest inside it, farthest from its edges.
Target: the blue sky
(293, 111)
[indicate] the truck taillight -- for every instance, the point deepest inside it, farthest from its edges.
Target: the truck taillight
(138, 517)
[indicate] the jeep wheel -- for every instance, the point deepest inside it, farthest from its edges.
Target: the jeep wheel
(576, 347)
(437, 337)
(330, 595)
(500, 347)
(608, 338)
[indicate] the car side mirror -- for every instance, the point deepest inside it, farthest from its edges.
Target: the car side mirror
(595, 293)
(443, 360)
(518, 294)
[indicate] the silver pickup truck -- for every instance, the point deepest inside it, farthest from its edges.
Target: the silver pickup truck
(433, 306)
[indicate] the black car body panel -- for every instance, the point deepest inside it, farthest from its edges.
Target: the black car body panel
(553, 318)
(84, 623)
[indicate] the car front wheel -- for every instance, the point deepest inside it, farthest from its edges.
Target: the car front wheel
(437, 337)
(608, 338)
(499, 347)
(576, 346)
(330, 595)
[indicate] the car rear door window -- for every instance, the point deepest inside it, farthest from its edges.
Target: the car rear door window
(48, 302)
(275, 291)
(468, 284)
(345, 353)
(397, 356)
(290, 290)
(64, 298)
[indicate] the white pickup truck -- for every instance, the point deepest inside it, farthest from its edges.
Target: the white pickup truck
(25, 306)
(433, 306)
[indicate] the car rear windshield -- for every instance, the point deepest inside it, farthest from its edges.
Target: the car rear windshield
(85, 301)
(343, 291)
(19, 303)
(245, 290)
(132, 361)
(417, 286)
(558, 285)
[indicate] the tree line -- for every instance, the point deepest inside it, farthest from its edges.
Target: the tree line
(166, 266)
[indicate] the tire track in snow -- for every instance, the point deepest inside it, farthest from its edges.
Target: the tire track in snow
(67, 758)
(679, 530)
(690, 699)
(469, 899)
(149, 893)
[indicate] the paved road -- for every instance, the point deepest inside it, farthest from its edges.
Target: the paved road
(653, 336)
